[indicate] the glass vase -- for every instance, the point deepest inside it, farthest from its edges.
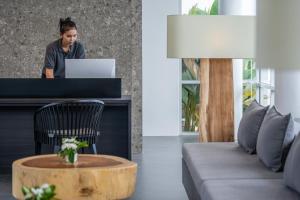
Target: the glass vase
(71, 158)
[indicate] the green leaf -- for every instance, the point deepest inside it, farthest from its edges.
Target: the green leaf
(197, 11)
(25, 190)
(214, 8)
(82, 144)
(187, 74)
(184, 93)
(190, 109)
(71, 156)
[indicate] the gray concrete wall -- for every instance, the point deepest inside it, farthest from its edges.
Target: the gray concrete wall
(107, 29)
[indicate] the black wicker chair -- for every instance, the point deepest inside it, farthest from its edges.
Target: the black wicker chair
(79, 118)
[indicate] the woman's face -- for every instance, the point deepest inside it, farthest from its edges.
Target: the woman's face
(69, 37)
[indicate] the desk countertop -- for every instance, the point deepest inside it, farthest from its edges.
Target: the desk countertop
(43, 101)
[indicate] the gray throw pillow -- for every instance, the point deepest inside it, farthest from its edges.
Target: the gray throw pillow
(291, 175)
(274, 139)
(250, 125)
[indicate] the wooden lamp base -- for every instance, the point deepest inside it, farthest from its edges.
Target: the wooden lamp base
(216, 100)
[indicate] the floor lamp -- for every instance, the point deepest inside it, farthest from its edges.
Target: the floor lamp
(216, 40)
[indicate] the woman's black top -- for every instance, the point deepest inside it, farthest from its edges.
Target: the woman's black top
(55, 57)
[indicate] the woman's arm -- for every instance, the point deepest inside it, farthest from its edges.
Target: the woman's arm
(80, 54)
(49, 63)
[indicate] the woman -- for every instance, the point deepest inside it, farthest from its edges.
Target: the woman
(64, 48)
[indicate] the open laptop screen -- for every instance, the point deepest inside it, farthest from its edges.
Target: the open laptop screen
(90, 68)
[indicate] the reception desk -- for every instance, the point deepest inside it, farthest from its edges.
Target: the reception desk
(17, 136)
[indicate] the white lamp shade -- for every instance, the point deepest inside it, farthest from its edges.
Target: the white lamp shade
(210, 36)
(278, 34)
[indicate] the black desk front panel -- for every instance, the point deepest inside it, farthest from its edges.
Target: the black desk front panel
(60, 88)
(16, 129)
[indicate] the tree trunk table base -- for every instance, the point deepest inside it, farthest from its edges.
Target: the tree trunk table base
(92, 177)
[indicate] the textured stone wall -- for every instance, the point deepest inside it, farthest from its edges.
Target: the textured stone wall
(107, 29)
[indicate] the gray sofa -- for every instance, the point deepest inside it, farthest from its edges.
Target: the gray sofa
(224, 171)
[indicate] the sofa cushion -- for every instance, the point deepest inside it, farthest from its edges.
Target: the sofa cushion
(250, 125)
(291, 175)
(247, 189)
(222, 160)
(274, 139)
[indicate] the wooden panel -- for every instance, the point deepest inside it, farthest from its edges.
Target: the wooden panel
(216, 100)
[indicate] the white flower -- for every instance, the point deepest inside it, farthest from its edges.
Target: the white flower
(66, 140)
(37, 192)
(69, 146)
(44, 186)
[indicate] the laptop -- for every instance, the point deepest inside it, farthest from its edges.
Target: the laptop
(90, 68)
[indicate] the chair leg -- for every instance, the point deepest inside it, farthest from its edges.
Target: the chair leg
(94, 149)
(38, 148)
(56, 148)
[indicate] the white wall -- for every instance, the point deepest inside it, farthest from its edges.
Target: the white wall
(161, 75)
(237, 7)
(281, 50)
(287, 93)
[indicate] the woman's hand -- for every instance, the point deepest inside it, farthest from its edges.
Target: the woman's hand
(49, 73)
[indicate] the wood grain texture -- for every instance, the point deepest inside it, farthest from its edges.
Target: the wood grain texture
(114, 179)
(85, 161)
(216, 100)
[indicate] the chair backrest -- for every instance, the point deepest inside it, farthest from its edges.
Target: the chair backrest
(78, 118)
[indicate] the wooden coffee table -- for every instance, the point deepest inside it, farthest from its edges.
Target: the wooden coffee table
(93, 177)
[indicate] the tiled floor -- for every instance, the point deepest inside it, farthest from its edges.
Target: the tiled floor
(159, 170)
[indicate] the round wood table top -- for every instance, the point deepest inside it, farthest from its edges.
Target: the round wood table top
(92, 177)
(84, 161)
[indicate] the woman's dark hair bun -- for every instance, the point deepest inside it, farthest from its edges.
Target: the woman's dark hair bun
(66, 25)
(68, 19)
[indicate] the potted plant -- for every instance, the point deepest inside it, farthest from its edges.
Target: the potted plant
(69, 149)
(44, 192)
